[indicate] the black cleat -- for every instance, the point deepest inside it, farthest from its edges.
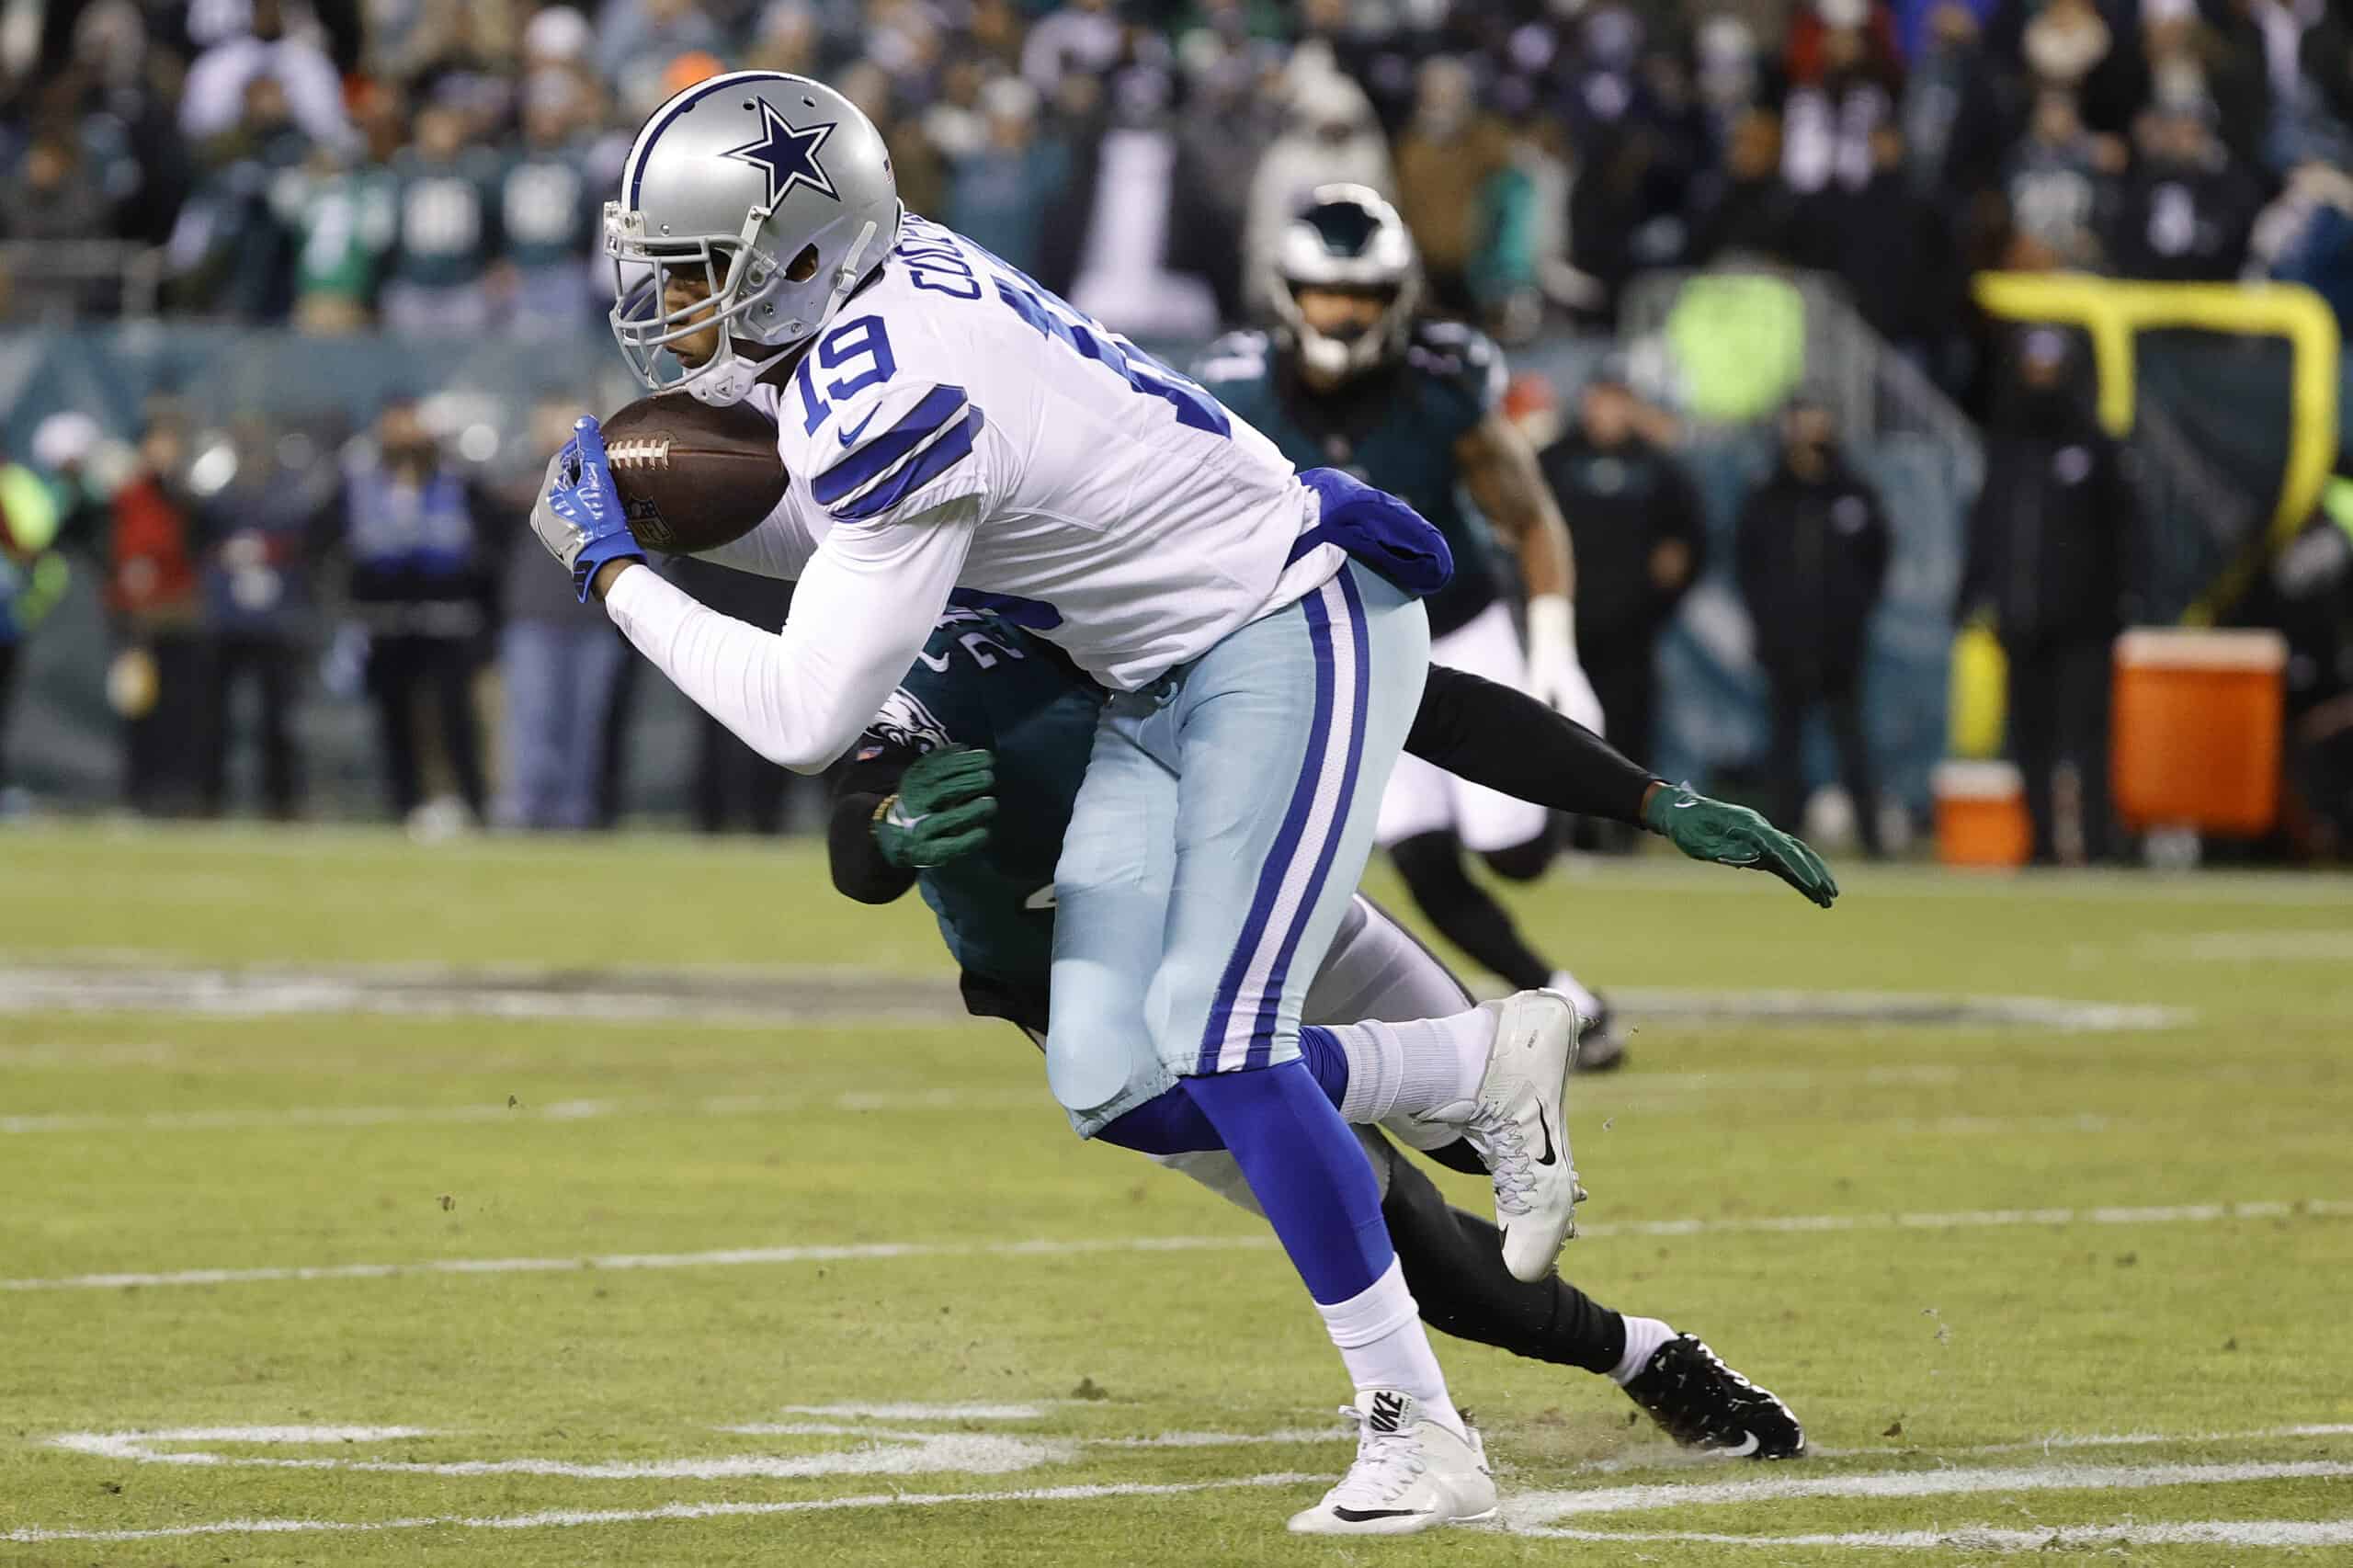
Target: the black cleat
(1702, 1403)
(1601, 1043)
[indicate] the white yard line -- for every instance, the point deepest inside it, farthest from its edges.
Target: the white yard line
(2275, 1533)
(1629, 1090)
(254, 1117)
(1532, 1513)
(2173, 1214)
(671, 1511)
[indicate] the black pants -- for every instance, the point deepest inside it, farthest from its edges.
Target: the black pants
(8, 695)
(401, 669)
(729, 774)
(1796, 693)
(1627, 682)
(161, 745)
(273, 664)
(2059, 701)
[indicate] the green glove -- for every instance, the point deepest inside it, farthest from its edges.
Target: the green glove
(941, 810)
(1734, 836)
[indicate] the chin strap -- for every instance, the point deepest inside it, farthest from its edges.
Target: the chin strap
(728, 379)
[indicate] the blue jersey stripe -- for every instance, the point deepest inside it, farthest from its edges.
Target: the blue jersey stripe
(859, 469)
(926, 466)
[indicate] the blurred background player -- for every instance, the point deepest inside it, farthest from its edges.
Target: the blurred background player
(1354, 377)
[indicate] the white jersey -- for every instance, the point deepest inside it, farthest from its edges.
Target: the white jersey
(955, 427)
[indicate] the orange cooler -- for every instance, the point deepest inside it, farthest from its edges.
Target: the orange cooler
(1981, 815)
(2196, 735)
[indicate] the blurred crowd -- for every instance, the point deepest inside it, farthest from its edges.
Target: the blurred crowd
(249, 570)
(439, 164)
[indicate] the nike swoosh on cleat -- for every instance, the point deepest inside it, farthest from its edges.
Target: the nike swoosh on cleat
(1547, 1157)
(1749, 1445)
(1362, 1516)
(854, 431)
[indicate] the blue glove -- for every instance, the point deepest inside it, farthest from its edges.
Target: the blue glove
(579, 515)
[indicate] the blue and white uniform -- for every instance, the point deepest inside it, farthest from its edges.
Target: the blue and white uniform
(960, 429)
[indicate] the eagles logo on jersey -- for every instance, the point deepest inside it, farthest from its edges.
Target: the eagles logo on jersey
(903, 721)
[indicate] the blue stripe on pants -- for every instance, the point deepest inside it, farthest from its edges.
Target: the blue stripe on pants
(1277, 863)
(1262, 1033)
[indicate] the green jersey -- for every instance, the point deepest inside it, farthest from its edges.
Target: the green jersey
(447, 220)
(342, 223)
(1394, 427)
(547, 208)
(982, 681)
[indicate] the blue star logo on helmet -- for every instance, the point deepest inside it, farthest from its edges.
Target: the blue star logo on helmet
(787, 153)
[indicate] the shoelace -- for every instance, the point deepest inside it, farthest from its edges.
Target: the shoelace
(1387, 1463)
(1504, 1149)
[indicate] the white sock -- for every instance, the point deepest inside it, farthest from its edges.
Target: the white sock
(1414, 1068)
(1588, 1005)
(1380, 1334)
(1644, 1337)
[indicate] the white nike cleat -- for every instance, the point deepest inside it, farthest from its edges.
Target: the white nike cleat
(1410, 1475)
(1515, 1126)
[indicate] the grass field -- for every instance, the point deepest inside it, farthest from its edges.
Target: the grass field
(337, 1230)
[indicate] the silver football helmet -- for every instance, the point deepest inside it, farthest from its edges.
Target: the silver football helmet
(774, 196)
(1348, 238)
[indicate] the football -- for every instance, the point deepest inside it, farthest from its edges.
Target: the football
(693, 477)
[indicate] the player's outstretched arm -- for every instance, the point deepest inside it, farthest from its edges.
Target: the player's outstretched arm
(860, 617)
(1494, 735)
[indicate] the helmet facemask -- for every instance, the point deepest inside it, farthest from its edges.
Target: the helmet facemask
(742, 291)
(1348, 240)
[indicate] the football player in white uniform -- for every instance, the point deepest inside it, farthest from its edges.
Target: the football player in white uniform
(948, 425)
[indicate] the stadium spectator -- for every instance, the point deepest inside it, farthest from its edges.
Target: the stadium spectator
(255, 536)
(1083, 38)
(156, 682)
(2306, 237)
(445, 230)
(1812, 553)
(227, 251)
(1001, 193)
(1745, 209)
(637, 39)
(1125, 274)
(341, 219)
(1451, 160)
(408, 523)
(52, 201)
(1640, 542)
(1329, 135)
(2056, 180)
(1955, 110)
(557, 660)
(2050, 547)
(2185, 209)
(213, 100)
(32, 577)
(1220, 139)
(733, 785)
(548, 213)
(1843, 75)
(1892, 247)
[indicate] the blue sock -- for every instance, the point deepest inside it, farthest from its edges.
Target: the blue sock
(1307, 1171)
(1172, 1124)
(1324, 1057)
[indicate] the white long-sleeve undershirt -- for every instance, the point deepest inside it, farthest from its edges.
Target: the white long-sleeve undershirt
(865, 604)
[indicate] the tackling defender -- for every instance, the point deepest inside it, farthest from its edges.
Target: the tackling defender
(925, 804)
(946, 424)
(1354, 376)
